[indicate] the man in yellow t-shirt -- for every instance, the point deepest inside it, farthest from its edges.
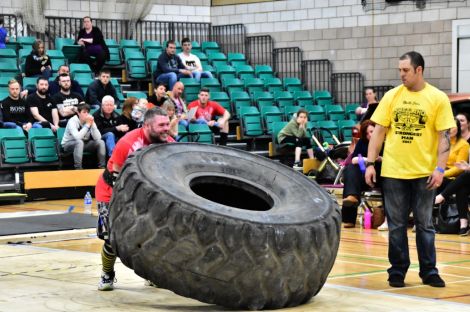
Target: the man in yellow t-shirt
(416, 118)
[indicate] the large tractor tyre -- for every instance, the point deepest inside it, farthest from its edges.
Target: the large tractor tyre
(224, 226)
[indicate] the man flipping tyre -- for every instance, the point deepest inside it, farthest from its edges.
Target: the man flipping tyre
(155, 130)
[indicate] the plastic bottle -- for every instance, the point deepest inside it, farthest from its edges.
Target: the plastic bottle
(87, 201)
(367, 219)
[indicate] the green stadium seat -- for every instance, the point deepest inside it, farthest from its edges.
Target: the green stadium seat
(196, 47)
(345, 128)
(136, 94)
(7, 53)
(212, 84)
(26, 40)
(111, 43)
(289, 111)
(263, 69)
(263, 98)
(210, 46)
(129, 43)
(14, 148)
(4, 81)
(303, 98)
(350, 111)
(273, 84)
(223, 99)
(152, 45)
(216, 58)
(252, 125)
(202, 56)
(292, 84)
(284, 98)
(29, 82)
(315, 112)
(201, 133)
(59, 43)
(224, 70)
(322, 95)
(236, 58)
(334, 112)
(231, 84)
(326, 129)
(9, 67)
(43, 145)
(244, 69)
(270, 114)
(77, 68)
(254, 84)
(3, 94)
(183, 134)
(191, 85)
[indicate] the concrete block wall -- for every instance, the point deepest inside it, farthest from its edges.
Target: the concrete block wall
(353, 39)
(162, 10)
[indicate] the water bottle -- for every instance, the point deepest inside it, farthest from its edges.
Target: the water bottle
(367, 219)
(87, 203)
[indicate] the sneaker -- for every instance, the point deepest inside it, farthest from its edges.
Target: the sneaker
(383, 227)
(297, 166)
(349, 225)
(434, 280)
(106, 282)
(350, 201)
(396, 280)
(464, 231)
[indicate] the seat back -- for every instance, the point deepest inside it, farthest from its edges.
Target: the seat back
(43, 145)
(14, 148)
(201, 133)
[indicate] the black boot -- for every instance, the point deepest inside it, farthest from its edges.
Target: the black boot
(223, 139)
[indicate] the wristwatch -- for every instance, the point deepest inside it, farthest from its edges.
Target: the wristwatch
(370, 163)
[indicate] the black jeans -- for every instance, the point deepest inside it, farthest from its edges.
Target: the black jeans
(400, 197)
(461, 188)
(297, 142)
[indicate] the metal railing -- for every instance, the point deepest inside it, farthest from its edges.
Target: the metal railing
(259, 50)
(231, 38)
(14, 25)
(316, 74)
(347, 87)
(288, 62)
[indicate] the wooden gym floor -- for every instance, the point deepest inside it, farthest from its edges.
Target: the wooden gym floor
(60, 271)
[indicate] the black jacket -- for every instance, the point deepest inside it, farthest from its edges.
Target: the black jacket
(106, 125)
(96, 91)
(168, 64)
(97, 39)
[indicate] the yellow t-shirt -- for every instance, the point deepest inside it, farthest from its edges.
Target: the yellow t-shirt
(413, 120)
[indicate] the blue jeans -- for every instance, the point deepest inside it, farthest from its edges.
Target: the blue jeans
(401, 197)
(198, 75)
(170, 79)
(110, 141)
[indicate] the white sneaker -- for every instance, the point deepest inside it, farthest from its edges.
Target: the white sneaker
(383, 227)
(107, 281)
(297, 166)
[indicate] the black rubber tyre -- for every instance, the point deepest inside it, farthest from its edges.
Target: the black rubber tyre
(174, 221)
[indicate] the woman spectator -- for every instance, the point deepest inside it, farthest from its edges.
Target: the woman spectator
(92, 41)
(158, 97)
(353, 175)
(38, 64)
(295, 133)
(464, 118)
(171, 111)
(126, 117)
(452, 182)
(371, 98)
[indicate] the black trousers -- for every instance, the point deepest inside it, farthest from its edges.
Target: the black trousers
(461, 188)
(298, 142)
(97, 63)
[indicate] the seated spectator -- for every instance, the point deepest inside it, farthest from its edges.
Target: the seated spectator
(54, 84)
(66, 100)
(371, 98)
(295, 132)
(461, 188)
(169, 67)
(82, 135)
(126, 117)
(464, 119)
(158, 97)
(138, 112)
(170, 110)
(192, 62)
(3, 34)
(14, 109)
(107, 121)
(353, 175)
(175, 97)
(206, 113)
(42, 107)
(100, 88)
(458, 152)
(38, 63)
(92, 41)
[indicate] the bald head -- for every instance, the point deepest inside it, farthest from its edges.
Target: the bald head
(178, 89)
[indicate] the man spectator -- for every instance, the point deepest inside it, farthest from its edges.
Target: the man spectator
(42, 107)
(416, 118)
(66, 100)
(206, 113)
(99, 88)
(82, 135)
(175, 97)
(192, 62)
(54, 86)
(155, 130)
(15, 110)
(169, 67)
(107, 121)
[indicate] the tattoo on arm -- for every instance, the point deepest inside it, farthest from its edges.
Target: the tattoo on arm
(446, 141)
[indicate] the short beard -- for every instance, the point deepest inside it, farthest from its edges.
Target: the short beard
(41, 92)
(156, 138)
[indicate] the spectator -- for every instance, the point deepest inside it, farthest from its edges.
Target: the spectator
(463, 118)
(15, 110)
(107, 121)
(192, 62)
(176, 98)
(82, 135)
(3, 34)
(458, 152)
(54, 84)
(170, 110)
(461, 188)
(158, 97)
(42, 107)
(206, 113)
(99, 88)
(416, 118)
(353, 176)
(371, 98)
(295, 133)
(66, 100)
(126, 117)
(92, 41)
(138, 112)
(169, 67)
(38, 63)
